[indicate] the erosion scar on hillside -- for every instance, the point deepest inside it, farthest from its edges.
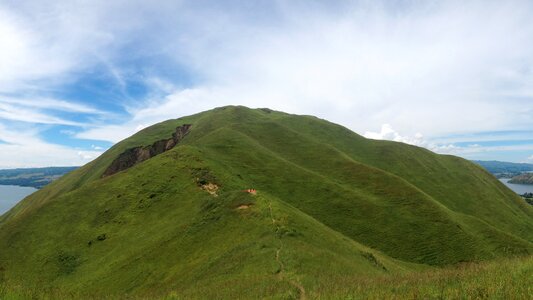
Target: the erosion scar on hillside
(133, 156)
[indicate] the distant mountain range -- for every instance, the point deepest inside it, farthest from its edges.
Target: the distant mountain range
(501, 167)
(254, 203)
(32, 177)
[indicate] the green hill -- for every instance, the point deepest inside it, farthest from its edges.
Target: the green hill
(165, 211)
(526, 178)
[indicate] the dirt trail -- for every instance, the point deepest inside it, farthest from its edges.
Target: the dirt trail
(281, 274)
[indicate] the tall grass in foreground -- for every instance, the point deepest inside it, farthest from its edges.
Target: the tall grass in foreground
(500, 279)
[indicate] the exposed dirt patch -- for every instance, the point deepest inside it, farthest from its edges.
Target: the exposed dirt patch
(133, 156)
(211, 188)
(244, 206)
(251, 191)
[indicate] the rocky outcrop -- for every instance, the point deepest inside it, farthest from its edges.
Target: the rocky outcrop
(133, 156)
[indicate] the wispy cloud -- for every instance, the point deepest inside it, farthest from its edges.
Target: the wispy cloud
(14, 113)
(51, 104)
(434, 70)
(39, 110)
(369, 64)
(469, 150)
(24, 148)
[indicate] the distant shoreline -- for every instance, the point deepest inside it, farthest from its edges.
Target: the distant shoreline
(32, 177)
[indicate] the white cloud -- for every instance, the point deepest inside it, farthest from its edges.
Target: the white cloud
(110, 133)
(24, 148)
(438, 68)
(51, 104)
(26, 54)
(177, 104)
(43, 110)
(43, 45)
(473, 149)
(387, 133)
(16, 113)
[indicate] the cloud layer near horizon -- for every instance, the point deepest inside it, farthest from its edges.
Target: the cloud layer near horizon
(432, 70)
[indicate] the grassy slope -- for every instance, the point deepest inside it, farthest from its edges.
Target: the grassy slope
(204, 239)
(433, 174)
(330, 190)
(261, 145)
(500, 279)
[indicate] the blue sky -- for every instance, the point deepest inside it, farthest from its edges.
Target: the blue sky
(455, 77)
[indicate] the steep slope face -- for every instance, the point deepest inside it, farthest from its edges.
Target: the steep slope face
(328, 202)
(154, 229)
(434, 174)
(133, 156)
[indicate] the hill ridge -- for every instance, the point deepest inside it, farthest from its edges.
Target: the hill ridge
(342, 205)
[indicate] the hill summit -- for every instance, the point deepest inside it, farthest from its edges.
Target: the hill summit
(238, 199)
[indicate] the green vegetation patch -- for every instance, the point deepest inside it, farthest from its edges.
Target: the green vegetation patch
(263, 204)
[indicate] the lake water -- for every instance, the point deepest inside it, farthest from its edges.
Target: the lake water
(11, 195)
(518, 188)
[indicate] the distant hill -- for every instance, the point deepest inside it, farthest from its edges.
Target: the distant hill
(240, 203)
(33, 177)
(500, 167)
(526, 178)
